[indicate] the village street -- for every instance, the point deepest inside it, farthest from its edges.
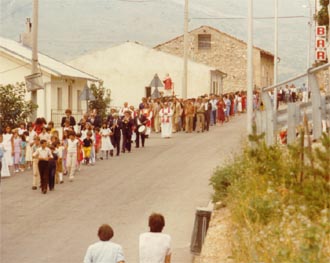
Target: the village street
(169, 176)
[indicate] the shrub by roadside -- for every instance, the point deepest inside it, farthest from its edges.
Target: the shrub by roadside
(279, 200)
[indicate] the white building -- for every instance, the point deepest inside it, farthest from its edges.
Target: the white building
(63, 84)
(127, 70)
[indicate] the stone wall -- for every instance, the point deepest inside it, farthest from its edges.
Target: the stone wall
(227, 54)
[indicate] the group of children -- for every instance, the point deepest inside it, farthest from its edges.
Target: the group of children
(51, 158)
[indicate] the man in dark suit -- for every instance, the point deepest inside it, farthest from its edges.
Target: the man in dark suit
(68, 116)
(95, 119)
(139, 120)
(115, 127)
(110, 117)
(126, 129)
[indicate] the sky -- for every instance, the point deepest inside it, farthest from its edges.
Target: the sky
(70, 28)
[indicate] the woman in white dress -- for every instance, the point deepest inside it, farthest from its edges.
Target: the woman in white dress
(106, 145)
(166, 120)
(239, 103)
(154, 246)
(8, 146)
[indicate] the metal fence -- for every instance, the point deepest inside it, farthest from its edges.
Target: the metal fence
(271, 121)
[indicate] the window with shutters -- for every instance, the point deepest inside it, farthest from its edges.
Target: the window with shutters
(204, 41)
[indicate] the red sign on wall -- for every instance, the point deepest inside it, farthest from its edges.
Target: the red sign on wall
(320, 43)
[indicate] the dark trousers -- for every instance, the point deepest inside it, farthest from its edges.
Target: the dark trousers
(207, 119)
(52, 171)
(214, 113)
(194, 122)
(137, 141)
(115, 140)
(127, 142)
(44, 174)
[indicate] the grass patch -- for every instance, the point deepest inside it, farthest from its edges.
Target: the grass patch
(279, 198)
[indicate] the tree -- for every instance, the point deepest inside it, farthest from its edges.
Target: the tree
(102, 99)
(323, 14)
(13, 106)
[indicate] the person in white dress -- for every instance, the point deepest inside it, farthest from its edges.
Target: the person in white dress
(165, 115)
(154, 246)
(106, 145)
(8, 146)
(239, 103)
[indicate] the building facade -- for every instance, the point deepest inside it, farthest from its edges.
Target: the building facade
(62, 84)
(217, 49)
(128, 69)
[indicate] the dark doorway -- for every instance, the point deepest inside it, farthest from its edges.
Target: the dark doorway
(148, 92)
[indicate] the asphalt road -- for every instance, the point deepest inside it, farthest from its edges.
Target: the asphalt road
(169, 176)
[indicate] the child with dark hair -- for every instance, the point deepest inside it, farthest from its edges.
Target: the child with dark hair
(23, 152)
(17, 150)
(59, 163)
(43, 154)
(52, 168)
(87, 147)
(98, 140)
(80, 155)
(73, 149)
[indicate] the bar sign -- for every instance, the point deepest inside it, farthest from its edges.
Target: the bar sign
(320, 43)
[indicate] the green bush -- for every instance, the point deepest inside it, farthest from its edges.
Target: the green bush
(279, 198)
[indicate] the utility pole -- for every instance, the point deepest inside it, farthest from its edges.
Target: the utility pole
(275, 54)
(250, 68)
(34, 68)
(309, 34)
(185, 50)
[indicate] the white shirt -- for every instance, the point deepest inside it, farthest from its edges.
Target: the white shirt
(104, 252)
(32, 134)
(44, 136)
(154, 247)
(72, 146)
(21, 131)
(214, 104)
(43, 153)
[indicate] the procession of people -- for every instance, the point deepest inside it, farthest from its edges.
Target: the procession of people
(51, 154)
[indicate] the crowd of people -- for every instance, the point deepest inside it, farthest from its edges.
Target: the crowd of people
(54, 153)
(291, 93)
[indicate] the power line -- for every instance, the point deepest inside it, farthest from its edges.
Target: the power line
(11, 69)
(242, 18)
(137, 1)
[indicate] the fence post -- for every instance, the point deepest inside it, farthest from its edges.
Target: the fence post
(270, 118)
(316, 105)
(293, 120)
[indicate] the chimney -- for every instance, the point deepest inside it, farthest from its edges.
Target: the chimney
(26, 37)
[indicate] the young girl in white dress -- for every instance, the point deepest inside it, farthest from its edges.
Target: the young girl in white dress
(106, 145)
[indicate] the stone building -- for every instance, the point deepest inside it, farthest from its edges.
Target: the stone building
(217, 49)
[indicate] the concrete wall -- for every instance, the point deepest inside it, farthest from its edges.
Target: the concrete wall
(227, 54)
(128, 68)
